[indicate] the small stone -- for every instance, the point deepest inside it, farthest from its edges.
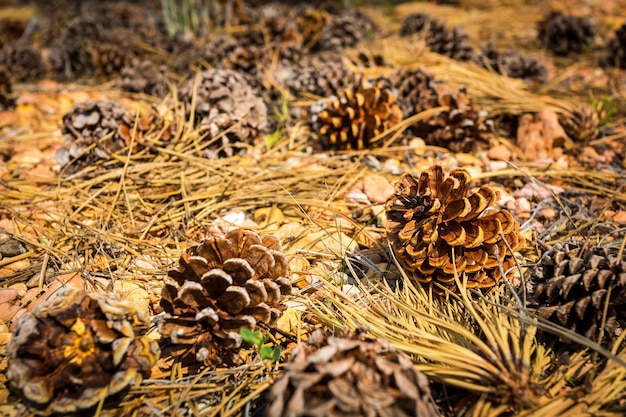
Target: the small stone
(547, 213)
(357, 196)
(620, 216)
(500, 152)
(377, 188)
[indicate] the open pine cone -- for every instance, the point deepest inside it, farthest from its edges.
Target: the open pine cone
(616, 48)
(439, 38)
(222, 286)
(357, 115)
(570, 287)
(438, 227)
(225, 99)
(512, 64)
(70, 351)
(350, 376)
(583, 123)
(100, 123)
(25, 61)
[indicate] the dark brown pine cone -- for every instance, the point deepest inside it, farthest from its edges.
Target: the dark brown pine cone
(583, 123)
(438, 227)
(349, 376)
(94, 130)
(323, 75)
(564, 34)
(572, 285)
(452, 43)
(144, 77)
(24, 61)
(512, 64)
(417, 90)
(109, 59)
(356, 116)
(225, 100)
(345, 30)
(416, 23)
(77, 347)
(222, 286)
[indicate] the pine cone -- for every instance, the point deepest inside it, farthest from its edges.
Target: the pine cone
(452, 43)
(100, 123)
(109, 59)
(226, 52)
(25, 62)
(512, 64)
(226, 100)
(350, 375)
(564, 33)
(437, 226)
(345, 30)
(583, 123)
(359, 114)
(76, 347)
(223, 285)
(144, 77)
(464, 127)
(7, 95)
(616, 48)
(323, 76)
(571, 285)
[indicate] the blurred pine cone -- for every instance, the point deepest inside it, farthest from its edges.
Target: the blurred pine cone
(357, 115)
(7, 95)
(437, 226)
(349, 376)
(463, 127)
(224, 51)
(512, 64)
(109, 59)
(583, 123)
(143, 76)
(452, 43)
(222, 286)
(564, 34)
(572, 285)
(75, 348)
(321, 75)
(94, 130)
(224, 100)
(345, 30)
(25, 62)
(311, 23)
(616, 48)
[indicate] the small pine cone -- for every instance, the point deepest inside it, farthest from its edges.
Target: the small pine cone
(73, 349)
(224, 100)
(25, 62)
(452, 43)
(437, 226)
(359, 114)
(417, 90)
(513, 64)
(311, 23)
(226, 52)
(564, 33)
(222, 286)
(583, 123)
(349, 375)
(144, 77)
(7, 95)
(571, 285)
(616, 48)
(100, 123)
(323, 76)
(345, 30)
(108, 59)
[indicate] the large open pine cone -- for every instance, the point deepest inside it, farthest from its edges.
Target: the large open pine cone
(350, 376)
(100, 123)
(225, 100)
(357, 115)
(222, 286)
(571, 285)
(564, 33)
(438, 227)
(70, 351)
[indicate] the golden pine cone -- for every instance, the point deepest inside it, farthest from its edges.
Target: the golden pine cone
(222, 286)
(359, 114)
(76, 347)
(438, 227)
(350, 376)
(583, 123)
